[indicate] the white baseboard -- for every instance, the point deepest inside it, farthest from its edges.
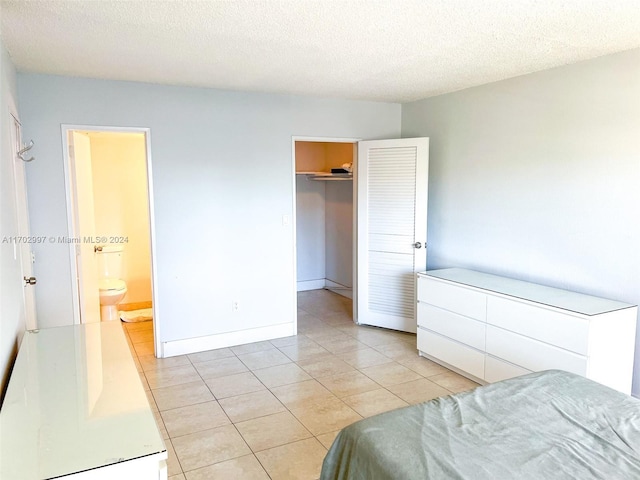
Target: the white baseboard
(305, 285)
(228, 339)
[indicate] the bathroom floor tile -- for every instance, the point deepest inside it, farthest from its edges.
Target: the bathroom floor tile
(182, 395)
(144, 348)
(272, 430)
(141, 336)
(137, 326)
(281, 375)
(246, 467)
(301, 460)
(220, 368)
(194, 418)
(251, 405)
(374, 402)
(204, 448)
(233, 385)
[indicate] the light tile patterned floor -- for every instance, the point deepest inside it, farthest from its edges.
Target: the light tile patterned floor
(270, 410)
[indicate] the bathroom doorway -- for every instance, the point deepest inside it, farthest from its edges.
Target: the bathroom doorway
(111, 234)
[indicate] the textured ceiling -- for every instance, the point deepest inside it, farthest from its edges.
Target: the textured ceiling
(391, 50)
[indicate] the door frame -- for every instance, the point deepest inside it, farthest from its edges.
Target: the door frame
(354, 142)
(22, 220)
(68, 185)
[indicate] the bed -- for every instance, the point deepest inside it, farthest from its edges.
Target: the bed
(546, 425)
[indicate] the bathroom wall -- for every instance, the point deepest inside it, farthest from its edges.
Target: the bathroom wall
(121, 204)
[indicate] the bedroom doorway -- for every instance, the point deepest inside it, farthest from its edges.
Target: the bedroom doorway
(110, 221)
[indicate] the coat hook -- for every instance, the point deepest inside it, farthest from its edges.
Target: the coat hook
(21, 152)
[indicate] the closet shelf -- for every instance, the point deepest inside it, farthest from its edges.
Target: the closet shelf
(326, 176)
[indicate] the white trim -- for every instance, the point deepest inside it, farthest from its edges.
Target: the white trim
(228, 339)
(354, 254)
(65, 129)
(294, 239)
(306, 285)
(75, 295)
(301, 138)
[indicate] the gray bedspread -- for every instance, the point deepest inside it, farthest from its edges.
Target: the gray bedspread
(547, 425)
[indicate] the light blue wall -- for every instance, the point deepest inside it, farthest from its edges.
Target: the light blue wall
(538, 177)
(222, 179)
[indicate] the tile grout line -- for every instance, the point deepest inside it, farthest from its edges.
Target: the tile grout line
(333, 329)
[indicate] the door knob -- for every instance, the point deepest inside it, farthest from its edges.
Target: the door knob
(30, 280)
(417, 245)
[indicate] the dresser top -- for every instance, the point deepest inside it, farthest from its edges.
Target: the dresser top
(553, 297)
(74, 402)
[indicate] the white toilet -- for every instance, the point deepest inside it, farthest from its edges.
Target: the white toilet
(112, 288)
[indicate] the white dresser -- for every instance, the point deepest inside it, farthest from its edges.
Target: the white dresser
(75, 408)
(490, 328)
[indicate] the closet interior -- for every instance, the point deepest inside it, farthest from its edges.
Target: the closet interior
(324, 216)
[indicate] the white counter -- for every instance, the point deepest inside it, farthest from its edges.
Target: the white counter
(75, 406)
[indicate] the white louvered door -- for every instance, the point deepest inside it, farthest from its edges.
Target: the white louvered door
(391, 183)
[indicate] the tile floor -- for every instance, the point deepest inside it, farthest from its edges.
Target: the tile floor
(270, 410)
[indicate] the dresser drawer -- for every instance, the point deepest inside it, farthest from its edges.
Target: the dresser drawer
(455, 354)
(532, 354)
(450, 297)
(496, 369)
(454, 326)
(556, 328)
